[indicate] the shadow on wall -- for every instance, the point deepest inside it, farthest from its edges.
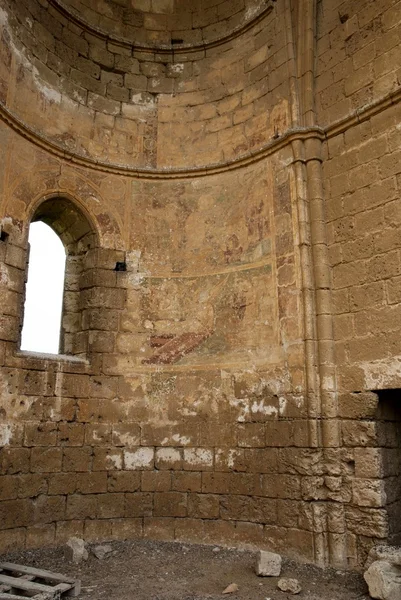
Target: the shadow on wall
(389, 438)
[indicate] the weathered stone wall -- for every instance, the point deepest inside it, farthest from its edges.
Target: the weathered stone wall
(228, 387)
(186, 420)
(160, 21)
(359, 71)
(139, 107)
(359, 55)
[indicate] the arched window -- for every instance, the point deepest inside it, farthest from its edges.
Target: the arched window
(60, 220)
(44, 291)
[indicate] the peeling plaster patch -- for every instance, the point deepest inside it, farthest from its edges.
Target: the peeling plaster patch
(96, 437)
(329, 383)
(382, 374)
(168, 455)
(261, 407)
(186, 412)
(177, 68)
(4, 277)
(135, 280)
(3, 17)
(242, 406)
(282, 402)
(139, 459)
(228, 458)
(56, 409)
(299, 401)
(198, 456)
(50, 94)
(144, 100)
(132, 259)
(127, 439)
(252, 11)
(115, 460)
(181, 440)
(5, 435)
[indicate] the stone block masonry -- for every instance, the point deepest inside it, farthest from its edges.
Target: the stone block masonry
(239, 382)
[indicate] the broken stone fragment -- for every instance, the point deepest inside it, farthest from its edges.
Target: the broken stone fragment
(289, 585)
(391, 554)
(268, 564)
(230, 589)
(384, 580)
(75, 550)
(101, 551)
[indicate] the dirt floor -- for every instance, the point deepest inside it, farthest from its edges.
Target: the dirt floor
(146, 570)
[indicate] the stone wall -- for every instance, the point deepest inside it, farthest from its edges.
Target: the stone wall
(182, 420)
(362, 184)
(136, 107)
(161, 21)
(237, 383)
(358, 50)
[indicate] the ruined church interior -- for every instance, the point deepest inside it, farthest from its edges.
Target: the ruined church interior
(225, 177)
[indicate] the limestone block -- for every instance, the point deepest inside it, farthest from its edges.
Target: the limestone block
(384, 580)
(391, 554)
(75, 550)
(268, 564)
(101, 551)
(290, 586)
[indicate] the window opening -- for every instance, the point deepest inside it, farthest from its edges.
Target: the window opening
(44, 290)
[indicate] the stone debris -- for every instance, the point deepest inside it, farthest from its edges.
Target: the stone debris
(384, 580)
(291, 586)
(391, 554)
(230, 589)
(101, 551)
(75, 550)
(268, 564)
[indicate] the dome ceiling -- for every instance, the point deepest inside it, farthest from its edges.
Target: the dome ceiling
(161, 21)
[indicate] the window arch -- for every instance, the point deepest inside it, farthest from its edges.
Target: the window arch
(44, 290)
(79, 239)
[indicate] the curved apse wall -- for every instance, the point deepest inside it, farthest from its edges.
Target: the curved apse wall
(159, 21)
(192, 362)
(219, 389)
(145, 107)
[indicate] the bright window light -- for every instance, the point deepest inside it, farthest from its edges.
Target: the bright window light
(44, 291)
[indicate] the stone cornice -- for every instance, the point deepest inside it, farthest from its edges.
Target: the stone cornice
(276, 144)
(363, 114)
(73, 16)
(168, 173)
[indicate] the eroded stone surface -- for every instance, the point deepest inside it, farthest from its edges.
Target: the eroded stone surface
(268, 564)
(75, 550)
(237, 383)
(384, 580)
(291, 586)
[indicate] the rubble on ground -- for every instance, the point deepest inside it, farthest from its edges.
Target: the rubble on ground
(268, 564)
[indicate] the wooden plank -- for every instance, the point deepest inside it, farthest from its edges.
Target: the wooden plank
(4, 596)
(48, 575)
(22, 584)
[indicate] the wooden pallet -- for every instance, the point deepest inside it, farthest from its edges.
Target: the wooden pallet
(19, 582)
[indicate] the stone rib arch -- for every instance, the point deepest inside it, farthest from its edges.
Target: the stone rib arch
(27, 190)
